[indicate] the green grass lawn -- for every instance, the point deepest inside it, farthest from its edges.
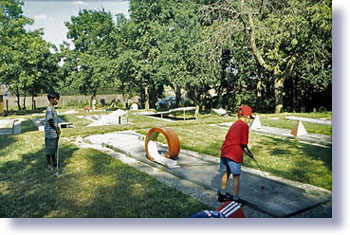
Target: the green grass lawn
(290, 124)
(93, 184)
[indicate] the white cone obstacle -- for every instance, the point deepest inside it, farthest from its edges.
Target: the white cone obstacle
(299, 129)
(256, 124)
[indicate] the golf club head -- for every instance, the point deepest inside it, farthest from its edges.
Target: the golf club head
(57, 174)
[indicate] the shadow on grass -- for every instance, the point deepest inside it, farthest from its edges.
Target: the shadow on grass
(296, 161)
(27, 126)
(91, 184)
(28, 187)
(116, 190)
(286, 146)
(5, 142)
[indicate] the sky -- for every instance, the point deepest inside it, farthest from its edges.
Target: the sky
(51, 15)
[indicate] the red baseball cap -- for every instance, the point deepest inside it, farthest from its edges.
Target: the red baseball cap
(245, 110)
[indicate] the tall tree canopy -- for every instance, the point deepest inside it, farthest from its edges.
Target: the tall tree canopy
(273, 55)
(27, 65)
(279, 35)
(89, 65)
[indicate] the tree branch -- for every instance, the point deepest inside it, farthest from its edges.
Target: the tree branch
(255, 50)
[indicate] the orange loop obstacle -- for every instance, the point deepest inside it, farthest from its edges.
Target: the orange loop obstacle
(171, 137)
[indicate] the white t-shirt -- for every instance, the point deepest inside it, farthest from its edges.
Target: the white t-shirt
(50, 114)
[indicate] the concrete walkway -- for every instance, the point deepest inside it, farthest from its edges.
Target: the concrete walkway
(277, 197)
(311, 120)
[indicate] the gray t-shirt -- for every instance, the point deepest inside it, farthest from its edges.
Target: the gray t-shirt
(50, 114)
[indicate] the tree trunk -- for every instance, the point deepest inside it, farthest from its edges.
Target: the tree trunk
(142, 95)
(18, 102)
(93, 100)
(124, 95)
(24, 102)
(178, 95)
(196, 111)
(279, 83)
(280, 75)
(146, 97)
(294, 95)
(259, 88)
(125, 100)
(279, 90)
(33, 103)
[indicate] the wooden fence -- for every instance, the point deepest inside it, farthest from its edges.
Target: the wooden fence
(41, 101)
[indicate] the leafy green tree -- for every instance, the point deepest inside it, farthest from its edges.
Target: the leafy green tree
(27, 66)
(15, 48)
(40, 66)
(145, 18)
(278, 32)
(125, 60)
(177, 37)
(11, 34)
(90, 66)
(311, 84)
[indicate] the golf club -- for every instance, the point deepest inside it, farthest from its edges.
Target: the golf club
(57, 156)
(266, 177)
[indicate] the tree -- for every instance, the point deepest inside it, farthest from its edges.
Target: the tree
(145, 19)
(13, 47)
(40, 66)
(90, 65)
(277, 34)
(27, 65)
(125, 60)
(177, 36)
(312, 81)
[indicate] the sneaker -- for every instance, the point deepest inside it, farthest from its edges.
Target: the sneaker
(50, 168)
(224, 197)
(221, 197)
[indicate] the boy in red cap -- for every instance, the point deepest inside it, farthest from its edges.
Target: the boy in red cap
(231, 158)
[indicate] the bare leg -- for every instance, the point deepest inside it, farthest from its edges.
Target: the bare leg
(48, 161)
(235, 185)
(224, 181)
(54, 160)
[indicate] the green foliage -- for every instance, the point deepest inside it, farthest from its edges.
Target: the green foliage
(203, 50)
(27, 67)
(290, 40)
(90, 65)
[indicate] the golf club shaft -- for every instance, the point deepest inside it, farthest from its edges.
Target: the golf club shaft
(58, 153)
(261, 169)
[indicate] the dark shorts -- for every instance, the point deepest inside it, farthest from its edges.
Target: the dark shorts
(229, 166)
(51, 146)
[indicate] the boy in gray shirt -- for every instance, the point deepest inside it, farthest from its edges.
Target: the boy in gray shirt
(52, 130)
